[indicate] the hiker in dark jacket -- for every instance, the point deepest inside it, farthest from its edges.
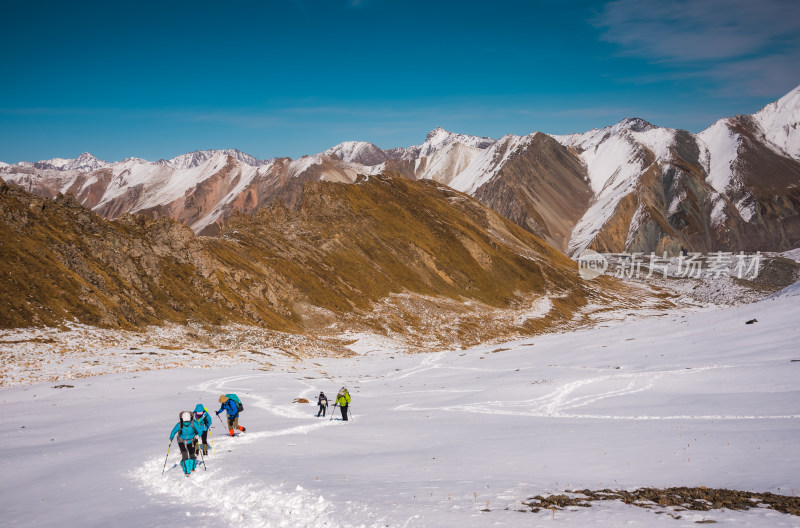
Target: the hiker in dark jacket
(187, 440)
(232, 409)
(322, 401)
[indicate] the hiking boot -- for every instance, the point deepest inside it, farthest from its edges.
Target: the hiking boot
(205, 449)
(241, 429)
(232, 433)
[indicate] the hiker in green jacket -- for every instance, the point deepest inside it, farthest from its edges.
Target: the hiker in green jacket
(343, 400)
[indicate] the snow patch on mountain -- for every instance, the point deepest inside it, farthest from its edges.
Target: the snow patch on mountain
(439, 139)
(788, 292)
(615, 159)
(488, 163)
(722, 143)
(302, 164)
(718, 215)
(613, 154)
(658, 140)
(360, 152)
(448, 163)
(591, 139)
(780, 122)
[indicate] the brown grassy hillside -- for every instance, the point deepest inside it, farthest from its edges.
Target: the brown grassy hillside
(336, 259)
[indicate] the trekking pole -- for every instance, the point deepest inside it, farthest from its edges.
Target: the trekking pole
(333, 412)
(223, 423)
(166, 457)
(204, 460)
(350, 412)
(213, 450)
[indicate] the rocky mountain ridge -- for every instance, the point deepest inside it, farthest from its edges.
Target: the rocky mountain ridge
(630, 187)
(385, 254)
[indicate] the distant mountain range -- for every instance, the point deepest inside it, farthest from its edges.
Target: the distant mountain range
(632, 186)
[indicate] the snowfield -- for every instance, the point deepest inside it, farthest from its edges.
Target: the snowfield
(457, 438)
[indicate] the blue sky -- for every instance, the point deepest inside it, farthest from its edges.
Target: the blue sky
(294, 77)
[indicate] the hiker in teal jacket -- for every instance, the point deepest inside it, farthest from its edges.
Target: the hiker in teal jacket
(187, 440)
(202, 422)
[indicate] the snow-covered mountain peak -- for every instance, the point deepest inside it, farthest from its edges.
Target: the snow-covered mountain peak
(439, 138)
(198, 157)
(85, 162)
(87, 159)
(635, 124)
(780, 122)
(134, 159)
(361, 152)
(437, 134)
(593, 138)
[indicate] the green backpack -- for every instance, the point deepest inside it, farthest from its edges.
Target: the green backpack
(237, 400)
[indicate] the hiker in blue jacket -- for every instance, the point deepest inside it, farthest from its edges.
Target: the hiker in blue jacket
(187, 437)
(202, 422)
(231, 407)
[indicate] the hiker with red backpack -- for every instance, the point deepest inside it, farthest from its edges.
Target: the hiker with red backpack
(232, 406)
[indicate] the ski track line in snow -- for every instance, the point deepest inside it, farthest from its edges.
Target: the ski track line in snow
(220, 385)
(427, 363)
(554, 404)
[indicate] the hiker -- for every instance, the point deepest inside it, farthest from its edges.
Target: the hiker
(230, 404)
(343, 400)
(187, 440)
(202, 422)
(322, 401)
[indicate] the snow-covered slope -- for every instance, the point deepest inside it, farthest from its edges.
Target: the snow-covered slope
(754, 159)
(439, 139)
(488, 163)
(617, 159)
(780, 123)
(459, 438)
(723, 148)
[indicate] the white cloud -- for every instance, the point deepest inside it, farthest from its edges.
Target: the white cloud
(751, 46)
(697, 30)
